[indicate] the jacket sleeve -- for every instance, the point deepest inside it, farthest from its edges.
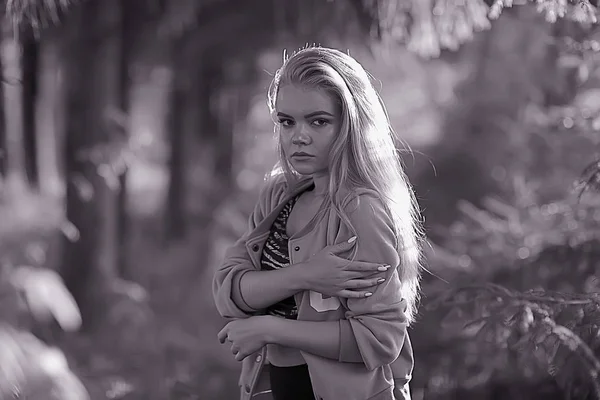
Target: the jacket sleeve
(374, 329)
(226, 281)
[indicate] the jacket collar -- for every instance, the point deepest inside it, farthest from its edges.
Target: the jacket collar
(304, 183)
(299, 186)
(265, 225)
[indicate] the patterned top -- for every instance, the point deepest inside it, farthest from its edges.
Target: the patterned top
(275, 255)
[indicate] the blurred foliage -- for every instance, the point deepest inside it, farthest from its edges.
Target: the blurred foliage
(29, 368)
(426, 27)
(530, 319)
(527, 113)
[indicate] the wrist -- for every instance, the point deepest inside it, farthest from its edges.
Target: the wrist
(273, 328)
(299, 279)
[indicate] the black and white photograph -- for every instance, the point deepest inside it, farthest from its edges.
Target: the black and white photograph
(300, 200)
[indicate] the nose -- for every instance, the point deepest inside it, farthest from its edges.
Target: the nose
(301, 135)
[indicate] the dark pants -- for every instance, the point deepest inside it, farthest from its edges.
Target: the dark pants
(291, 383)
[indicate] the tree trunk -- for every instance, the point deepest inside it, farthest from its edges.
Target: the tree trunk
(483, 56)
(50, 104)
(231, 96)
(3, 141)
(12, 91)
(562, 85)
(176, 194)
(223, 167)
(241, 77)
(129, 9)
(29, 62)
(210, 88)
(90, 261)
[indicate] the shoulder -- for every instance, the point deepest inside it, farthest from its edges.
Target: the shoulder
(366, 213)
(274, 189)
(363, 202)
(366, 216)
(274, 184)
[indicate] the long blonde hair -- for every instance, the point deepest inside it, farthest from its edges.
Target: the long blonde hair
(363, 154)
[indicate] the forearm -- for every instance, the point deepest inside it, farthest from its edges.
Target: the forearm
(321, 338)
(260, 289)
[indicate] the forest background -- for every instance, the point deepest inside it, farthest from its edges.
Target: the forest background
(135, 136)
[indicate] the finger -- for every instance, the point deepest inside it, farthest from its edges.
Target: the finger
(363, 283)
(351, 294)
(222, 335)
(362, 266)
(343, 246)
(362, 275)
(240, 356)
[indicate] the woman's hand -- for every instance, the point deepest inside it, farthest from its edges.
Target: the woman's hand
(247, 335)
(331, 275)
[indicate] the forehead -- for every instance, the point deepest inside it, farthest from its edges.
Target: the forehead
(292, 99)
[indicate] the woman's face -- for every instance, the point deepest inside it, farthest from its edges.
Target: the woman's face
(309, 120)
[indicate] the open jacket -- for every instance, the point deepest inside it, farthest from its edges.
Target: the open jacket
(375, 359)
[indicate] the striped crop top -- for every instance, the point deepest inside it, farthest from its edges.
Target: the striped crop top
(275, 255)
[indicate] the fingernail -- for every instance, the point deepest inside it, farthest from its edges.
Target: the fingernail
(352, 239)
(383, 268)
(380, 280)
(368, 294)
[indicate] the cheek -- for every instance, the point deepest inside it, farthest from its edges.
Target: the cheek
(328, 138)
(284, 141)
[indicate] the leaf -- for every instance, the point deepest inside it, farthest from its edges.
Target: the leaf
(47, 296)
(29, 369)
(522, 344)
(37, 13)
(70, 387)
(592, 181)
(569, 61)
(454, 321)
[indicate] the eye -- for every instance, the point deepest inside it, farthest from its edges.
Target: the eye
(320, 122)
(285, 122)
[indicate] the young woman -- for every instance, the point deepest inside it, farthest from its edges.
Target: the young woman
(325, 282)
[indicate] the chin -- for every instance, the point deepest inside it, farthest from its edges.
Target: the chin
(305, 171)
(302, 169)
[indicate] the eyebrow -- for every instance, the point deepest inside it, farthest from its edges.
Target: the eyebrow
(310, 115)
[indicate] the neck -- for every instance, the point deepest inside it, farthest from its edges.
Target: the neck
(321, 183)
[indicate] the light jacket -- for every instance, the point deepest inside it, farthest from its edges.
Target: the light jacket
(375, 359)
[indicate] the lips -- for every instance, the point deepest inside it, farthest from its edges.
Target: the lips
(301, 154)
